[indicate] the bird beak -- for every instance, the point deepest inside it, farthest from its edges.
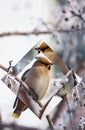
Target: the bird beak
(37, 49)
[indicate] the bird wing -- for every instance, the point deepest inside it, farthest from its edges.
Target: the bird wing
(38, 80)
(23, 79)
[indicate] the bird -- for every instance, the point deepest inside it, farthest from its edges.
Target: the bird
(37, 78)
(50, 54)
(57, 61)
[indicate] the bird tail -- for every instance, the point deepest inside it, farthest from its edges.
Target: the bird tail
(15, 114)
(18, 104)
(15, 102)
(19, 108)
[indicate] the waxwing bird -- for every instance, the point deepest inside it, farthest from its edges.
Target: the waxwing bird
(37, 78)
(48, 52)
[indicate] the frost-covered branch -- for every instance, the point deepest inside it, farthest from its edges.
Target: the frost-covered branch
(75, 10)
(13, 126)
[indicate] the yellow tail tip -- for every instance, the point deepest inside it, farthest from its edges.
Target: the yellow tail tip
(15, 115)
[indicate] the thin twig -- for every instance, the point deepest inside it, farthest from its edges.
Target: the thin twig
(48, 32)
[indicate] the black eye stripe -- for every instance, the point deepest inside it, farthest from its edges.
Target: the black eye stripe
(45, 48)
(48, 65)
(44, 63)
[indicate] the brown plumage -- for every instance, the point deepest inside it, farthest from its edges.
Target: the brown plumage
(48, 52)
(53, 57)
(37, 78)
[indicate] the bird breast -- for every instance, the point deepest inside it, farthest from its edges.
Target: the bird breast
(38, 80)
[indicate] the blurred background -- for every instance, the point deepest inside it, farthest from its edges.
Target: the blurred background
(25, 22)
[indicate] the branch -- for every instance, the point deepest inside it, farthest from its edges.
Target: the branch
(25, 33)
(16, 127)
(48, 32)
(78, 15)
